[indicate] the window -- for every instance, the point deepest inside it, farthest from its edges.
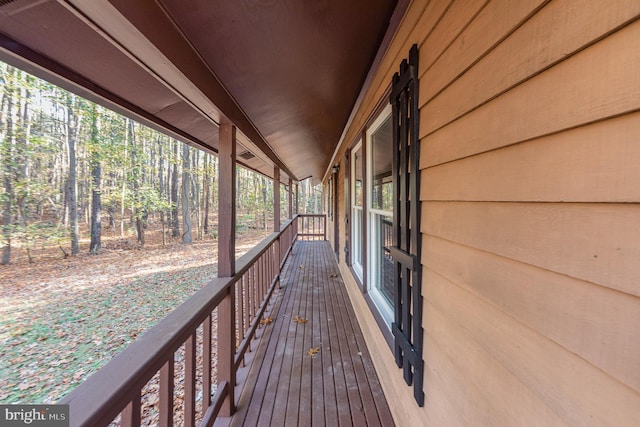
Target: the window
(357, 200)
(380, 214)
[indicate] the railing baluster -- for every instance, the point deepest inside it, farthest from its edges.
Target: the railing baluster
(276, 258)
(253, 293)
(190, 381)
(240, 306)
(166, 393)
(247, 310)
(206, 364)
(273, 264)
(226, 349)
(131, 413)
(261, 274)
(324, 228)
(247, 299)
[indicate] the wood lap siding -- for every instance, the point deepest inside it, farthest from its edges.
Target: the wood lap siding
(531, 230)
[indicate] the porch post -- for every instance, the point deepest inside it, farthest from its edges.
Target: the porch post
(297, 211)
(297, 199)
(290, 198)
(227, 261)
(276, 199)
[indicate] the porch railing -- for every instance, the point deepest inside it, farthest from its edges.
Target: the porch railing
(312, 227)
(116, 388)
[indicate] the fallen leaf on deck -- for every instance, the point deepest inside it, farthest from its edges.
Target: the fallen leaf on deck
(299, 319)
(313, 351)
(266, 320)
(333, 275)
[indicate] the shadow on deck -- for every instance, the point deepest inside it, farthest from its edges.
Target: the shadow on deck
(312, 373)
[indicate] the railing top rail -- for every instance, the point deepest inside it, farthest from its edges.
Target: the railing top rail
(104, 394)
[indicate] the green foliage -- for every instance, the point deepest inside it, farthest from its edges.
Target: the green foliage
(136, 163)
(148, 200)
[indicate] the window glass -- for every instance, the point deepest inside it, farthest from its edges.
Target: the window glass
(381, 159)
(357, 176)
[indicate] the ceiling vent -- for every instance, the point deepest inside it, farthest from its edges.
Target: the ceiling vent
(247, 155)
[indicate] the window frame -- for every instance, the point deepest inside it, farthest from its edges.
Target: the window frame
(384, 308)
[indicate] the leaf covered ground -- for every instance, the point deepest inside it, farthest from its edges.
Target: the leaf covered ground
(63, 319)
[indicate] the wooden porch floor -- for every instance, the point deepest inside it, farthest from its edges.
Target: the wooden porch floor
(313, 373)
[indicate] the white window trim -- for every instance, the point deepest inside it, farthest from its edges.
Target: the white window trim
(385, 309)
(358, 268)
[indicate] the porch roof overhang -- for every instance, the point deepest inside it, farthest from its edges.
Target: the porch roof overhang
(285, 73)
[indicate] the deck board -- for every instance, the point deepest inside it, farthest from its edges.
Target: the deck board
(338, 386)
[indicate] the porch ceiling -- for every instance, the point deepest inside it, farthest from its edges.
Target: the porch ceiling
(285, 72)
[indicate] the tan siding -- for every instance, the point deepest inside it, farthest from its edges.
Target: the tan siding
(530, 49)
(531, 303)
(597, 83)
(594, 163)
(597, 323)
(575, 390)
(497, 20)
(597, 243)
(484, 391)
(454, 21)
(461, 396)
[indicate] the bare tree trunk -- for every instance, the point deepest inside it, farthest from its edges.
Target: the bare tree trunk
(303, 185)
(207, 194)
(7, 156)
(123, 192)
(137, 210)
(263, 184)
(23, 133)
(72, 186)
(161, 187)
(96, 181)
(175, 225)
(186, 186)
(195, 192)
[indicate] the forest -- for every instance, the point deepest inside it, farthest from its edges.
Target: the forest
(73, 170)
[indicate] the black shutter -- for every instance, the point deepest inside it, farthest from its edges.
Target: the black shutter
(407, 325)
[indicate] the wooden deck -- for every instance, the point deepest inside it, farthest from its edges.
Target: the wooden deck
(313, 373)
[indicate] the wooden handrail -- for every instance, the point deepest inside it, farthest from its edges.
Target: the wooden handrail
(117, 386)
